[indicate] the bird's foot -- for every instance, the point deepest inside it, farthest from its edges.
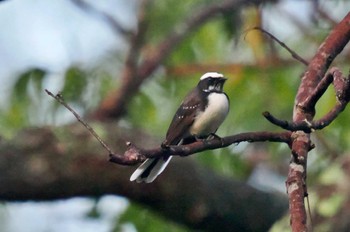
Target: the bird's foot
(212, 136)
(215, 136)
(164, 146)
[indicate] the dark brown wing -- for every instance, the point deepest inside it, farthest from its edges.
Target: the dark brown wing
(183, 119)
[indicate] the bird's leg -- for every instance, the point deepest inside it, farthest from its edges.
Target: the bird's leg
(210, 137)
(164, 146)
(215, 136)
(199, 138)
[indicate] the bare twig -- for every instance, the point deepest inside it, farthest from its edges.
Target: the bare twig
(291, 126)
(293, 53)
(60, 99)
(307, 126)
(309, 212)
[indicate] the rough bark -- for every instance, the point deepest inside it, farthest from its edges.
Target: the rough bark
(304, 111)
(47, 164)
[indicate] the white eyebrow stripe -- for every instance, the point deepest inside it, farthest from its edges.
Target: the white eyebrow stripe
(211, 74)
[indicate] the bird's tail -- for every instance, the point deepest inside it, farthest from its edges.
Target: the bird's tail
(149, 170)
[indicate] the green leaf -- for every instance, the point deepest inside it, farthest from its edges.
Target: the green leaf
(75, 83)
(17, 115)
(20, 89)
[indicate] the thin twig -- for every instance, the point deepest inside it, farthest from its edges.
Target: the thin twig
(291, 126)
(60, 99)
(293, 53)
(309, 212)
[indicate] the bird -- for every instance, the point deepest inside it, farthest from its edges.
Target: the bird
(199, 116)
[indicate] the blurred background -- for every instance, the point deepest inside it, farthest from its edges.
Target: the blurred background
(125, 66)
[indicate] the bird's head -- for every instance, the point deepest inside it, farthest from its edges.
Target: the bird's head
(212, 82)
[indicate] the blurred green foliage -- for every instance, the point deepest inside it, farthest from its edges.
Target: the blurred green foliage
(25, 93)
(142, 219)
(75, 84)
(29, 105)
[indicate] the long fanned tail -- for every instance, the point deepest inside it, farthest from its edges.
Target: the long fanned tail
(150, 169)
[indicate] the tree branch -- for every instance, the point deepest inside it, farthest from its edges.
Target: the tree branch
(342, 89)
(134, 155)
(304, 111)
(316, 70)
(114, 104)
(293, 53)
(291, 126)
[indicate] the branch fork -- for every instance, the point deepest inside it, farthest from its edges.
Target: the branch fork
(342, 89)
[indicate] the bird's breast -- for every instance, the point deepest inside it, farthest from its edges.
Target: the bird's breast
(210, 119)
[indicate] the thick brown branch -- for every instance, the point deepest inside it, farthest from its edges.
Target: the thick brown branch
(53, 163)
(342, 89)
(329, 117)
(296, 181)
(318, 67)
(114, 105)
(304, 111)
(134, 155)
(342, 86)
(320, 89)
